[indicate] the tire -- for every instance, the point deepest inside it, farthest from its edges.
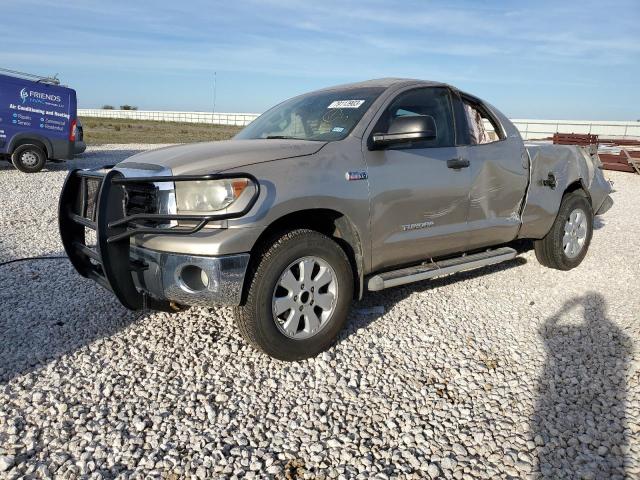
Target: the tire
(262, 319)
(556, 251)
(29, 158)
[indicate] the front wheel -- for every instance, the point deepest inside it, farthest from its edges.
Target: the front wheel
(298, 298)
(566, 244)
(29, 158)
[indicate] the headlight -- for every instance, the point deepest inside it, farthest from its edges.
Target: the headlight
(204, 196)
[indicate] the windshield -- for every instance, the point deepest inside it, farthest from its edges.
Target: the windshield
(323, 116)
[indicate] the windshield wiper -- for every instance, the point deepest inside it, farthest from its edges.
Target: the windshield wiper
(273, 137)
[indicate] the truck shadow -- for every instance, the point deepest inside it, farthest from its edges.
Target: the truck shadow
(49, 311)
(375, 304)
(579, 424)
(598, 222)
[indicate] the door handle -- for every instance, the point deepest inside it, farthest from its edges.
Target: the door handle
(457, 163)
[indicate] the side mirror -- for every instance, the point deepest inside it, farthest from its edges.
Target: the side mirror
(410, 128)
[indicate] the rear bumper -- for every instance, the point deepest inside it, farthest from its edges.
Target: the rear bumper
(62, 149)
(606, 205)
(190, 280)
(79, 147)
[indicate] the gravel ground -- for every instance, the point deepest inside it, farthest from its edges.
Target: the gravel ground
(509, 371)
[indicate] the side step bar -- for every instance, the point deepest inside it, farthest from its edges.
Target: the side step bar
(436, 269)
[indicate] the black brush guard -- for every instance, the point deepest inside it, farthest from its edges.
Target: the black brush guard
(95, 199)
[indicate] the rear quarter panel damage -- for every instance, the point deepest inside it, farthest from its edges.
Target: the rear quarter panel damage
(568, 164)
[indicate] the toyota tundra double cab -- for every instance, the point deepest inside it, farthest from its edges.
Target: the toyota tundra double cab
(330, 194)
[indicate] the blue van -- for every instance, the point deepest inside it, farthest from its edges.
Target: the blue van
(38, 121)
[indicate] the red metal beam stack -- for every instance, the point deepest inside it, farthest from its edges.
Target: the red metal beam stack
(619, 161)
(582, 139)
(623, 160)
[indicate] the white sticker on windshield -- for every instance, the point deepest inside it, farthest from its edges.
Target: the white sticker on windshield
(346, 104)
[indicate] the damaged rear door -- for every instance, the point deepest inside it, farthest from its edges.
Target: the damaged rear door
(499, 174)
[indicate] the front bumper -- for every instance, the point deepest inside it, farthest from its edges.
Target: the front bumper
(139, 277)
(190, 280)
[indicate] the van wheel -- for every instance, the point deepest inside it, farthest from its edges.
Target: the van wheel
(298, 298)
(566, 244)
(29, 158)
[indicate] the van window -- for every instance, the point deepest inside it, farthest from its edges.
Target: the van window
(433, 101)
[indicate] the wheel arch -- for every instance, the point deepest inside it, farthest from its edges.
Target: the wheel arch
(578, 185)
(332, 223)
(549, 249)
(31, 139)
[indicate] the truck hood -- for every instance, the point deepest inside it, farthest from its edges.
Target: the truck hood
(214, 157)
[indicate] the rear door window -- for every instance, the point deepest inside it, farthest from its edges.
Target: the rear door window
(483, 128)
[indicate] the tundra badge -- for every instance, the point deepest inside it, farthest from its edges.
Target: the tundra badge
(417, 226)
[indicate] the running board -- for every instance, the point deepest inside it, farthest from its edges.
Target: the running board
(436, 269)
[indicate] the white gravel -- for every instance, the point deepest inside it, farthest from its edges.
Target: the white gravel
(509, 371)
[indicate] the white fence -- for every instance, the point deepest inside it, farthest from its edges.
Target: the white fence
(530, 129)
(239, 119)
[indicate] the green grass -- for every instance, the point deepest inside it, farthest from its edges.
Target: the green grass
(98, 131)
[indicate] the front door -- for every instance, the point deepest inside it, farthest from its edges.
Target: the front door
(419, 201)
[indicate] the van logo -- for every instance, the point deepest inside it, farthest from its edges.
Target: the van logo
(38, 97)
(352, 176)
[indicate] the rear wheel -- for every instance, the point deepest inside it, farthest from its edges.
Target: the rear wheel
(566, 244)
(298, 298)
(29, 158)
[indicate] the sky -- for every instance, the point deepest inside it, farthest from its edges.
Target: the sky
(543, 59)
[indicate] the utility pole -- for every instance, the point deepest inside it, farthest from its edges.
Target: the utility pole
(215, 74)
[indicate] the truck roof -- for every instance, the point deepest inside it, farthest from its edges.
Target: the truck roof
(384, 83)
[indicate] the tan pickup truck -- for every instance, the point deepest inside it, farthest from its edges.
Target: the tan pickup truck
(325, 196)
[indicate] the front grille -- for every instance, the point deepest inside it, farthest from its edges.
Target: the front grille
(85, 201)
(141, 198)
(91, 189)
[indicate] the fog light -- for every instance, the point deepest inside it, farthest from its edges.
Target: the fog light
(193, 278)
(204, 278)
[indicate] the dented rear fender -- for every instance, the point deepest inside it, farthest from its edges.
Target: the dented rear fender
(553, 169)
